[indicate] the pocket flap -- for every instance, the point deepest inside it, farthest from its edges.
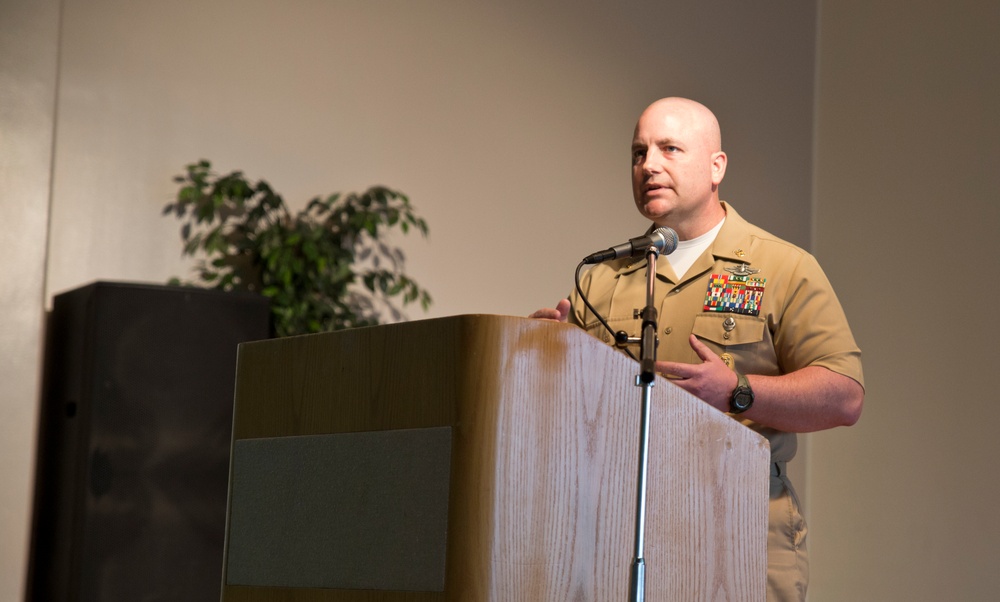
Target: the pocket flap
(729, 329)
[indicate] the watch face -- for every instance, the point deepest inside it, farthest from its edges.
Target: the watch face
(742, 399)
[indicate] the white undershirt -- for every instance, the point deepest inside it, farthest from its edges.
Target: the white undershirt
(689, 250)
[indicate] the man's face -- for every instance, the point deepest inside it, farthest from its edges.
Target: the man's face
(676, 163)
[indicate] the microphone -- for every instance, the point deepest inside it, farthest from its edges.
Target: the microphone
(663, 238)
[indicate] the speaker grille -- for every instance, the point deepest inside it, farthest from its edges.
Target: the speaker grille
(133, 467)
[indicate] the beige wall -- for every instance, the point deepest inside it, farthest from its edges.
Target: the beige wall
(904, 505)
(508, 125)
(28, 59)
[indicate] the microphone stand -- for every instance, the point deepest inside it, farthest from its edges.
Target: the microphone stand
(646, 379)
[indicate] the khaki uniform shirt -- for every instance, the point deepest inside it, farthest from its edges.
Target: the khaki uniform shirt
(792, 318)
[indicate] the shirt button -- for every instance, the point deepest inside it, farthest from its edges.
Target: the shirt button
(667, 330)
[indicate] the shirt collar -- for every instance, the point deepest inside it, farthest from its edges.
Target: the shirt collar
(731, 244)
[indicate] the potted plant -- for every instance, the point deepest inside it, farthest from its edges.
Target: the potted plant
(323, 268)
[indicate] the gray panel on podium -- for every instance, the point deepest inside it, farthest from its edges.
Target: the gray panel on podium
(350, 510)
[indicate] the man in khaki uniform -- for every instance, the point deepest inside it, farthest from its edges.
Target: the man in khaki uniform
(748, 322)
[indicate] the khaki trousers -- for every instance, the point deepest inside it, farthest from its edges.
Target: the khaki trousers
(787, 559)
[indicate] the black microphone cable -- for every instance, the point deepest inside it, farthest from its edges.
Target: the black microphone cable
(620, 337)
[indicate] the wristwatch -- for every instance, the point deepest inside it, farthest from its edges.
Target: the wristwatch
(742, 395)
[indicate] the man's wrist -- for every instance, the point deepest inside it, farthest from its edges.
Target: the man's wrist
(743, 397)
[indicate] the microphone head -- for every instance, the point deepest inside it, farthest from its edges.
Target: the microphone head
(665, 240)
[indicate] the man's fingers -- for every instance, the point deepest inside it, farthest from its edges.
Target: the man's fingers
(688, 370)
(563, 308)
(560, 312)
(675, 369)
(702, 349)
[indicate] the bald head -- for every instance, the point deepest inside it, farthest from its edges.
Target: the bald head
(677, 166)
(699, 117)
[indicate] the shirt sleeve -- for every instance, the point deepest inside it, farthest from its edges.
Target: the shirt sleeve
(813, 329)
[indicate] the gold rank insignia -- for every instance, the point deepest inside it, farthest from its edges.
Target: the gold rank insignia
(728, 359)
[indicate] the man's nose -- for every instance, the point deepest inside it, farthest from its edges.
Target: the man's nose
(651, 163)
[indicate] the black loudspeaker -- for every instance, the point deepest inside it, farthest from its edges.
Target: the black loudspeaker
(134, 438)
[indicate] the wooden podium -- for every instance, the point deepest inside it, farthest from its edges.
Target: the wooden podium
(479, 458)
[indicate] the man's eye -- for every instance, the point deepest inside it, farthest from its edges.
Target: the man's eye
(637, 155)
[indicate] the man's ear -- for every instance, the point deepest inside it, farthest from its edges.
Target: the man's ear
(719, 162)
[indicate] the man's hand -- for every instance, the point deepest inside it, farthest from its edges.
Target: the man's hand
(711, 380)
(806, 400)
(560, 313)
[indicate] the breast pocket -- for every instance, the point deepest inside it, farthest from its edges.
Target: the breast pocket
(744, 339)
